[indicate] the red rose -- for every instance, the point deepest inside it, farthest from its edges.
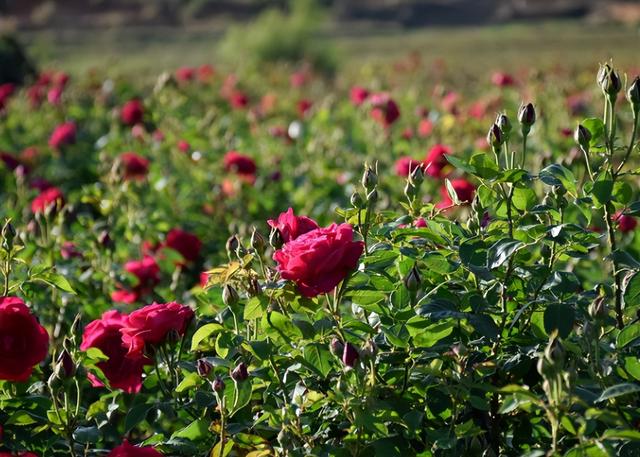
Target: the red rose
(18, 454)
(184, 146)
(185, 74)
(187, 244)
(405, 165)
(292, 226)
(450, 102)
(49, 196)
(464, 190)
(358, 95)
(318, 260)
(204, 279)
(10, 161)
(501, 79)
(135, 166)
(69, 250)
(436, 160)
(122, 371)
(625, 222)
(384, 111)
(127, 450)
(152, 324)
(23, 341)
(420, 223)
(304, 106)
(206, 72)
(147, 272)
(241, 164)
(63, 135)
(132, 112)
(35, 94)
(6, 90)
(54, 96)
(238, 100)
(40, 183)
(425, 127)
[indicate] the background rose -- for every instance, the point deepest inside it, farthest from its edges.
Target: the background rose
(187, 244)
(23, 341)
(152, 324)
(132, 112)
(318, 260)
(45, 198)
(135, 166)
(292, 226)
(123, 372)
(63, 135)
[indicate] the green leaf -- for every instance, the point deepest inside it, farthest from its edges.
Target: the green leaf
(501, 251)
(484, 165)
(602, 191)
(557, 175)
(597, 130)
(559, 316)
(255, 307)
(622, 192)
(617, 391)
(237, 395)
(319, 358)
(204, 333)
(56, 280)
(136, 415)
(628, 335)
(632, 366)
(632, 291)
(20, 418)
(195, 431)
(86, 434)
(190, 381)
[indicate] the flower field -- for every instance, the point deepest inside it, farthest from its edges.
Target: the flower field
(294, 263)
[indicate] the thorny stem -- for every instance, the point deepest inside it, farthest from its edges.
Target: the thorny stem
(617, 288)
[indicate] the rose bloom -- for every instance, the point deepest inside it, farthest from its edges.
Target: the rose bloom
(135, 166)
(291, 226)
(24, 343)
(10, 161)
(358, 95)
(122, 371)
(68, 250)
(206, 73)
(405, 165)
(6, 90)
(184, 146)
(47, 197)
(147, 272)
(132, 112)
(241, 164)
(238, 100)
(501, 79)
(436, 161)
(63, 135)
(187, 244)
(318, 260)
(204, 279)
(36, 95)
(152, 324)
(625, 222)
(420, 223)
(185, 74)
(384, 110)
(450, 102)
(464, 190)
(40, 183)
(127, 450)
(18, 454)
(425, 127)
(54, 96)
(304, 106)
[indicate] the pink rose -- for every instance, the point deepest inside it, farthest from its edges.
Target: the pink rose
(292, 226)
(127, 450)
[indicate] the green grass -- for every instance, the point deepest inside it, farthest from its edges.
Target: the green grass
(541, 45)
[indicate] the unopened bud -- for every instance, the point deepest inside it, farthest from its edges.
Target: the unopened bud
(526, 117)
(503, 122)
(105, 240)
(65, 368)
(336, 347)
(232, 245)
(582, 136)
(8, 235)
(412, 280)
(203, 368)
(416, 177)
(609, 80)
(356, 200)
(218, 385)
(633, 95)
(350, 355)
(372, 197)
(257, 241)
(229, 295)
(369, 350)
(598, 308)
(494, 137)
(240, 372)
(369, 179)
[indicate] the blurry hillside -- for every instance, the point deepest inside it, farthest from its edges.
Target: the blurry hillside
(91, 13)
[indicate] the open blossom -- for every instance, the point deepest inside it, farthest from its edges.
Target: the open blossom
(625, 222)
(238, 100)
(436, 162)
(318, 260)
(186, 243)
(49, 196)
(291, 226)
(135, 166)
(404, 166)
(132, 112)
(464, 190)
(24, 343)
(128, 450)
(147, 272)
(152, 324)
(241, 164)
(502, 79)
(384, 109)
(358, 95)
(63, 135)
(185, 74)
(206, 73)
(122, 372)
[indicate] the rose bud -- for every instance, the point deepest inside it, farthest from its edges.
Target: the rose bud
(598, 308)
(258, 242)
(412, 280)
(65, 368)
(336, 347)
(503, 122)
(203, 367)
(356, 200)
(218, 385)
(232, 245)
(609, 80)
(350, 355)
(372, 197)
(105, 239)
(369, 350)
(633, 94)
(240, 372)
(369, 179)
(526, 117)
(582, 136)
(229, 295)
(494, 137)
(275, 238)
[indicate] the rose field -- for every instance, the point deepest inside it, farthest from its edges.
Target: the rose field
(400, 256)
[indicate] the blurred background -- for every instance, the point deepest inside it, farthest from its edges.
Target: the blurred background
(84, 34)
